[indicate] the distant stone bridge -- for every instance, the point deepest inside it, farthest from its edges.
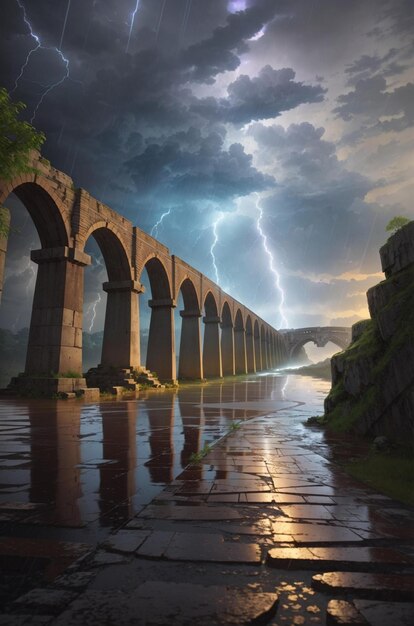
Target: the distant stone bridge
(236, 340)
(319, 335)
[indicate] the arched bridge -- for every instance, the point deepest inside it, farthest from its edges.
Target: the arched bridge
(320, 335)
(236, 340)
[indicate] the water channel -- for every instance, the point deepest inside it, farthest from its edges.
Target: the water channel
(76, 471)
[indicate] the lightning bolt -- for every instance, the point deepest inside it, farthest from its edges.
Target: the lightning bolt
(39, 46)
(92, 307)
(154, 229)
(131, 26)
(272, 267)
(213, 245)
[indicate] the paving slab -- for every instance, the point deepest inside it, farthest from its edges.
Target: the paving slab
(366, 585)
(386, 613)
(47, 601)
(189, 513)
(353, 559)
(313, 533)
(201, 547)
(175, 604)
(343, 613)
(125, 541)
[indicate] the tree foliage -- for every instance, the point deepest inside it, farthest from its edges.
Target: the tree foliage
(396, 223)
(17, 140)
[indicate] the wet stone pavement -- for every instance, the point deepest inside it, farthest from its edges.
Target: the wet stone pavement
(265, 529)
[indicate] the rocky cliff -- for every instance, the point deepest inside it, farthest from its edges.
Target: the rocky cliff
(373, 380)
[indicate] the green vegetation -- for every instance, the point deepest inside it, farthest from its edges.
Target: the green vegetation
(234, 426)
(396, 223)
(197, 457)
(316, 420)
(17, 140)
(391, 473)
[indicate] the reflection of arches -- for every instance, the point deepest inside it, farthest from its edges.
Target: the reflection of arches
(227, 341)
(190, 342)
(250, 355)
(239, 344)
(117, 479)
(257, 347)
(212, 364)
(161, 340)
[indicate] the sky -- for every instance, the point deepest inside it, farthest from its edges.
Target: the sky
(266, 142)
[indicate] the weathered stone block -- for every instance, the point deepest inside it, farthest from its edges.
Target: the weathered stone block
(398, 252)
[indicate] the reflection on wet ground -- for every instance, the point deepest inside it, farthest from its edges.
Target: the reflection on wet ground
(73, 465)
(264, 529)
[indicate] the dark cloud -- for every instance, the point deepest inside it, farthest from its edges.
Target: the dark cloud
(198, 166)
(262, 97)
(367, 66)
(318, 204)
(372, 99)
(220, 52)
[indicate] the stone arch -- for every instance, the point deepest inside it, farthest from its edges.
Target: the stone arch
(120, 346)
(116, 256)
(210, 305)
(226, 316)
(158, 278)
(296, 347)
(55, 336)
(190, 361)
(44, 207)
(161, 339)
(240, 354)
(189, 293)
(238, 320)
(117, 261)
(227, 340)
(212, 360)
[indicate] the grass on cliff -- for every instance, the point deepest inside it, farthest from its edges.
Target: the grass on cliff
(390, 473)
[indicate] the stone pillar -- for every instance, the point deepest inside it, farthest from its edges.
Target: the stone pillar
(250, 353)
(212, 362)
(258, 354)
(120, 347)
(190, 361)
(227, 350)
(240, 351)
(272, 351)
(264, 354)
(4, 232)
(161, 340)
(55, 337)
(268, 356)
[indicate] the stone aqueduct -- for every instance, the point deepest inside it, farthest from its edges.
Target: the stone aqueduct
(236, 340)
(295, 339)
